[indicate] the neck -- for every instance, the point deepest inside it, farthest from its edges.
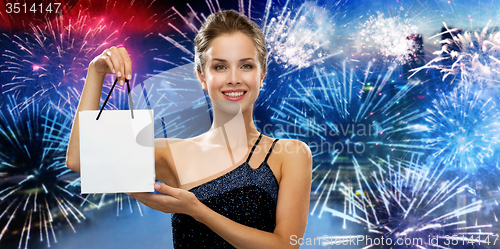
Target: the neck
(238, 128)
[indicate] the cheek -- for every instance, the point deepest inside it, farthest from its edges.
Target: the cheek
(215, 82)
(253, 79)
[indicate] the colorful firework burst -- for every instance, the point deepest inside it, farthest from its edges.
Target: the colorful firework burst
(469, 58)
(51, 58)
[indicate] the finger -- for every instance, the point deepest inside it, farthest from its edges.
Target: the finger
(146, 196)
(122, 65)
(142, 194)
(127, 62)
(150, 199)
(142, 197)
(117, 63)
(111, 69)
(163, 188)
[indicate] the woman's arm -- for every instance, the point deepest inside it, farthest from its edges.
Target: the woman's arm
(164, 163)
(291, 212)
(112, 60)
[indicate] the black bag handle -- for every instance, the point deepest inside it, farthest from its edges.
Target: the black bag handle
(131, 104)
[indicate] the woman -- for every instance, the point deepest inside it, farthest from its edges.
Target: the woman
(262, 200)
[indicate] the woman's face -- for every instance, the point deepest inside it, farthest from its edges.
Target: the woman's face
(232, 72)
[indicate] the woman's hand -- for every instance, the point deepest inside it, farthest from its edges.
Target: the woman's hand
(175, 200)
(114, 61)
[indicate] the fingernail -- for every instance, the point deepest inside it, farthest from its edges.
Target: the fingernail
(157, 186)
(121, 82)
(119, 74)
(114, 71)
(129, 76)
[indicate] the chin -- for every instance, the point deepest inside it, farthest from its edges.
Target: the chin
(227, 106)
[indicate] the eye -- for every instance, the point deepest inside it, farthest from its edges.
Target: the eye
(220, 67)
(247, 66)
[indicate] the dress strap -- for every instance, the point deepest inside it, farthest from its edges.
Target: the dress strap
(253, 148)
(270, 150)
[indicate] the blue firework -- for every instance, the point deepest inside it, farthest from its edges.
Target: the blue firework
(36, 191)
(352, 112)
(463, 128)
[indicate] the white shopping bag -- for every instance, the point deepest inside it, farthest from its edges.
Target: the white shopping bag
(117, 151)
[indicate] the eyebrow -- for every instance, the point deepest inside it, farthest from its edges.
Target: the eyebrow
(222, 60)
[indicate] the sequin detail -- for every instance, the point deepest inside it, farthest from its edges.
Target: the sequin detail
(245, 195)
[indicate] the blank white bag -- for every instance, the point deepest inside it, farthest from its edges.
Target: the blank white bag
(117, 151)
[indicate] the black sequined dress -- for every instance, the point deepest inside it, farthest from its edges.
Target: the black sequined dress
(245, 195)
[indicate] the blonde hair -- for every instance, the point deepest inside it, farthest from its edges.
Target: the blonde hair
(228, 22)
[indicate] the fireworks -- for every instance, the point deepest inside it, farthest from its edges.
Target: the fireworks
(391, 36)
(47, 60)
(463, 128)
(36, 187)
(404, 199)
(299, 39)
(51, 58)
(468, 58)
(350, 115)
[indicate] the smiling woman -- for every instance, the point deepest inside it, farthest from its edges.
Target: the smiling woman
(231, 186)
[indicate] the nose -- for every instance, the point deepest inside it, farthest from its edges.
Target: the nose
(234, 77)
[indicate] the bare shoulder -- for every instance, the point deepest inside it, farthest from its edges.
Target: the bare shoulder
(292, 148)
(294, 154)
